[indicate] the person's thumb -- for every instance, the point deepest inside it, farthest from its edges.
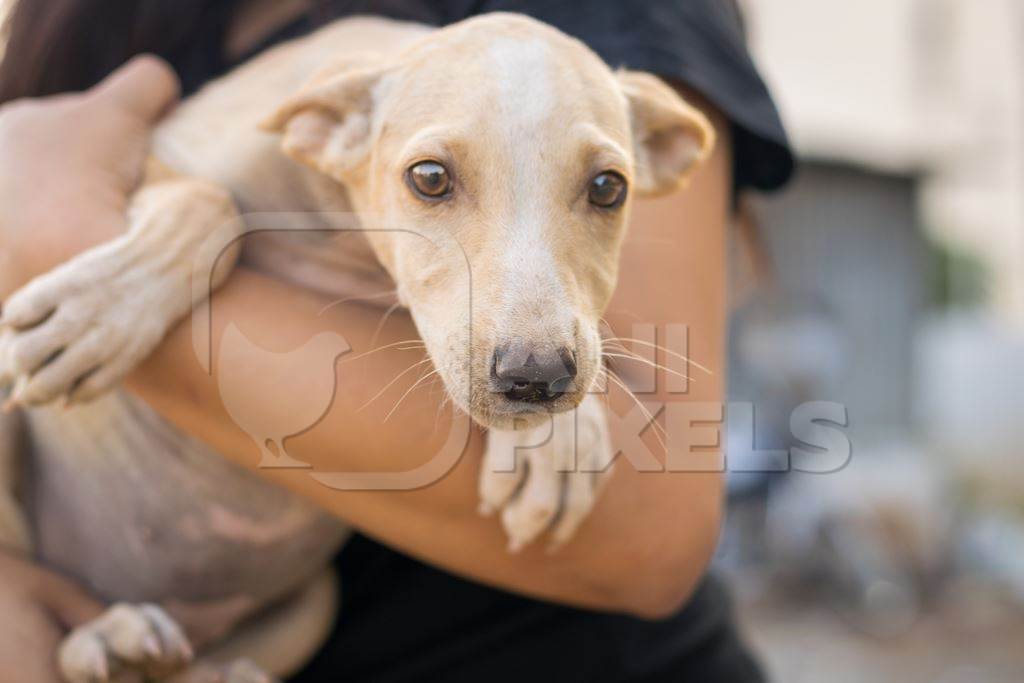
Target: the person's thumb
(144, 85)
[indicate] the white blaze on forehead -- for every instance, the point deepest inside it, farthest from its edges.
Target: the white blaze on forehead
(527, 100)
(522, 71)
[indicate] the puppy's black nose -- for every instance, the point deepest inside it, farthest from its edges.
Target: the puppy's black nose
(533, 374)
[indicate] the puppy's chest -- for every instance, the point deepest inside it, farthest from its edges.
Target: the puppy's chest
(136, 510)
(334, 261)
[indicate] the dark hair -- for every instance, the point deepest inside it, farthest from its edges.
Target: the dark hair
(62, 45)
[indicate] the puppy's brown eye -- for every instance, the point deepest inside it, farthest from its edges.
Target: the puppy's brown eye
(430, 179)
(608, 190)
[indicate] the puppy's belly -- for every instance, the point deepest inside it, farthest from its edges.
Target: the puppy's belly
(137, 511)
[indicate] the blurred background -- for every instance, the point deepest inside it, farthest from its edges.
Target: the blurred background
(890, 278)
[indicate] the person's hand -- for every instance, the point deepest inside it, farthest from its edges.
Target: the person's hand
(68, 164)
(38, 608)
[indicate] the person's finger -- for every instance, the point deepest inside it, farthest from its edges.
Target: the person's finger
(144, 85)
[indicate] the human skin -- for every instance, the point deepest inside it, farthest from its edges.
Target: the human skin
(647, 542)
(84, 153)
(38, 608)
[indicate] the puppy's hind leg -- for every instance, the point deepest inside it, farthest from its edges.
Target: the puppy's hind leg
(126, 638)
(279, 640)
(145, 639)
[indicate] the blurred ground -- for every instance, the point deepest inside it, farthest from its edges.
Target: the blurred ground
(801, 643)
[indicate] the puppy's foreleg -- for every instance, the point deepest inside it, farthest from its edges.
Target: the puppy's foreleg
(76, 331)
(549, 477)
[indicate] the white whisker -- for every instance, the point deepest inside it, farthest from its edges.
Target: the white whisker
(338, 302)
(408, 391)
(658, 430)
(668, 351)
(405, 345)
(387, 386)
(383, 321)
(647, 361)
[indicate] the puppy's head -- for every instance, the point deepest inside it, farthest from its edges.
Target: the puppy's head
(495, 162)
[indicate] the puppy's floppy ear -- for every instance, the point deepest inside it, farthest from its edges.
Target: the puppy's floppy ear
(671, 137)
(328, 124)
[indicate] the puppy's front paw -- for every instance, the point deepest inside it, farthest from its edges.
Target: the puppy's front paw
(137, 638)
(547, 477)
(78, 330)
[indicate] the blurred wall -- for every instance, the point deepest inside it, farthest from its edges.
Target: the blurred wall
(848, 254)
(934, 87)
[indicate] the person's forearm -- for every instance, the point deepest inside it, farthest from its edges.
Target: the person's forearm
(604, 567)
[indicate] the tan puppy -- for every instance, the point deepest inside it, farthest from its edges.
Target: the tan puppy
(491, 165)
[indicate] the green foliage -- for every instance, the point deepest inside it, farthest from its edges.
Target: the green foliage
(957, 278)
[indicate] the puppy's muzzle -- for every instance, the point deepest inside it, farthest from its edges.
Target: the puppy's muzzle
(532, 373)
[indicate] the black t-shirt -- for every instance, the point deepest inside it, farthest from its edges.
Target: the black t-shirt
(403, 621)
